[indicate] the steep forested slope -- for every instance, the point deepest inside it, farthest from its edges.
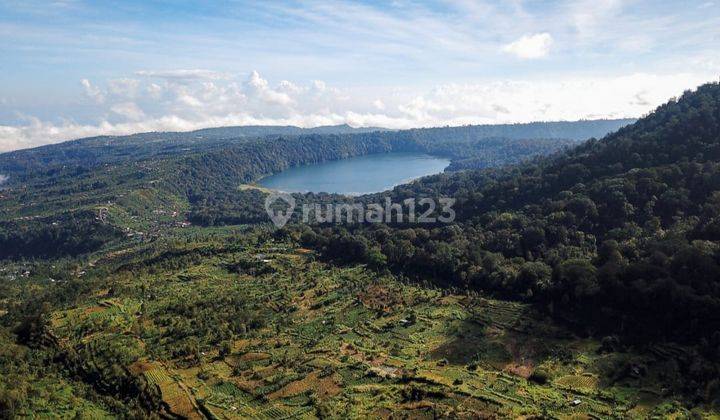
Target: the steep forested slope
(619, 235)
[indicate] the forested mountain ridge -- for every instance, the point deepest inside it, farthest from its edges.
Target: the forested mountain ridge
(93, 151)
(678, 132)
(574, 130)
(619, 235)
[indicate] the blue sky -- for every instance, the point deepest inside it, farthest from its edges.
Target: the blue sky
(72, 68)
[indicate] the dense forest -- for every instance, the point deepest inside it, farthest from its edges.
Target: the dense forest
(618, 236)
(65, 234)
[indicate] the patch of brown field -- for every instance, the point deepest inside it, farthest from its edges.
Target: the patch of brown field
(577, 382)
(328, 386)
(141, 366)
(374, 360)
(378, 361)
(247, 385)
(232, 360)
(254, 357)
(324, 387)
(267, 372)
(418, 410)
(304, 251)
(93, 310)
(183, 407)
(277, 342)
(475, 408)
(395, 363)
(348, 349)
(449, 300)
(418, 405)
(295, 387)
(380, 298)
(110, 256)
(240, 345)
(178, 400)
(521, 370)
(188, 374)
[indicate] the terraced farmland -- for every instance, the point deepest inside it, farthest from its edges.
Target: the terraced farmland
(337, 342)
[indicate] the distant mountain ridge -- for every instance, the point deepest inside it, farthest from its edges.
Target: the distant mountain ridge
(572, 130)
(98, 150)
(219, 133)
(93, 151)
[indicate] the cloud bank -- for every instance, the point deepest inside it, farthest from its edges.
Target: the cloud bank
(184, 100)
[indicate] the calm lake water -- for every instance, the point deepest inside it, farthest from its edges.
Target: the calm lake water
(358, 175)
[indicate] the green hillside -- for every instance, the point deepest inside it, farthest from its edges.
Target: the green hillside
(575, 282)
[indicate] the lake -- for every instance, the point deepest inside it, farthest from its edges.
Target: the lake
(358, 175)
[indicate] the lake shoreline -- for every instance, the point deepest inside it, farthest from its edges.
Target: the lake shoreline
(357, 175)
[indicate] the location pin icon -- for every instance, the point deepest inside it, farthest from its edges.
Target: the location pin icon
(279, 218)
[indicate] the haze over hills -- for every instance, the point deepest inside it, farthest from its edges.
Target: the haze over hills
(109, 149)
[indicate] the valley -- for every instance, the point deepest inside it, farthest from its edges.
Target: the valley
(223, 328)
(348, 209)
(141, 287)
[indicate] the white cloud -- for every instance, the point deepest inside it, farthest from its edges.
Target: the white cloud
(169, 106)
(92, 91)
(289, 88)
(129, 110)
(124, 87)
(530, 46)
(183, 75)
(258, 88)
(189, 100)
(154, 90)
(3, 178)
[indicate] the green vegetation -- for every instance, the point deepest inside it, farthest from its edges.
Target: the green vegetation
(614, 236)
(140, 280)
(108, 150)
(213, 324)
